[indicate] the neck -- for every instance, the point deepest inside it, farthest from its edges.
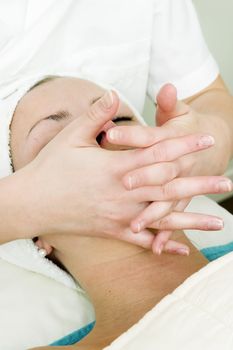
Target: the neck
(123, 281)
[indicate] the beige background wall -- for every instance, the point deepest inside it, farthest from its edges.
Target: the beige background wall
(216, 17)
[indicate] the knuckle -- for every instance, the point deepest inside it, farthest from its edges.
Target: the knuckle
(165, 223)
(174, 170)
(149, 137)
(160, 153)
(168, 191)
(94, 112)
(136, 180)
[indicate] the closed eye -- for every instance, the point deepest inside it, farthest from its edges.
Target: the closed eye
(122, 119)
(58, 116)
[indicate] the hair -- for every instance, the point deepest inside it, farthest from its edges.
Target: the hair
(45, 80)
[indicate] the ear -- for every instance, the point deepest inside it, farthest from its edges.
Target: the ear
(168, 107)
(42, 244)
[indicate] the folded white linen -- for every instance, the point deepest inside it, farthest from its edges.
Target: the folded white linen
(24, 253)
(197, 315)
(37, 311)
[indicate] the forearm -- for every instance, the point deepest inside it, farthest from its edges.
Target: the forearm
(13, 214)
(215, 116)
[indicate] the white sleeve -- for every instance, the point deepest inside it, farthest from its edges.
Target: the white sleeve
(179, 54)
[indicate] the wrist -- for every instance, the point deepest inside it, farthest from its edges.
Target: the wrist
(215, 160)
(14, 209)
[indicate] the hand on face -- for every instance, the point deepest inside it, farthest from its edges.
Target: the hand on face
(169, 178)
(73, 186)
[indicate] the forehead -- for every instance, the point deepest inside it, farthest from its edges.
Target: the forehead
(60, 93)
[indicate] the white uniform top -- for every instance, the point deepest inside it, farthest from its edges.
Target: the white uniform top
(134, 45)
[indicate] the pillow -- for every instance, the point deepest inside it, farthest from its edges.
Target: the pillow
(37, 310)
(212, 244)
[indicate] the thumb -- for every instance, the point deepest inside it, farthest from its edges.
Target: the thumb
(168, 106)
(84, 130)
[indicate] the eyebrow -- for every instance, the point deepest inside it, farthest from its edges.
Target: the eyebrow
(59, 115)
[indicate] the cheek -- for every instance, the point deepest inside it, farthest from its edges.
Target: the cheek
(33, 144)
(32, 148)
(26, 152)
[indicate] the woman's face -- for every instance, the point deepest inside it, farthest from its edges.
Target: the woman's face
(45, 110)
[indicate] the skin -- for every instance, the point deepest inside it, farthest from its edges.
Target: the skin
(112, 267)
(129, 266)
(36, 123)
(210, 110)
(31, 130)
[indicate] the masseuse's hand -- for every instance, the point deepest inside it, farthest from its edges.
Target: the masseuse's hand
(75, 186)
(165, 171)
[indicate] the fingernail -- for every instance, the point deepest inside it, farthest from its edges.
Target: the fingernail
(179, 251)
(140, 226)
(131, 182)
(159, 249)
(136, 227)
(107, 99)
(206, 140)
(183, 251)
(114, 134)
(224, 186)
(215, 224)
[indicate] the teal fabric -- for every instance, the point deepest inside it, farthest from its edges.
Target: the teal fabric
(213, 253)
(76, 336)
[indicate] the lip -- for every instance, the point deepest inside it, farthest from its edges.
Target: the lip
(102, 138)
(103, 141)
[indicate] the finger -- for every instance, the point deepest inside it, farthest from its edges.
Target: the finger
(188, 221)
(151, 175)
(181, 188)
(165, 151)
(162, 243)
(84, 130)
(139, 136)
(172, 149)
(181, 205)
(173, 247)
(160, 240)
(168, 106)
(142, 136)
(154, 212)
(143, 239)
